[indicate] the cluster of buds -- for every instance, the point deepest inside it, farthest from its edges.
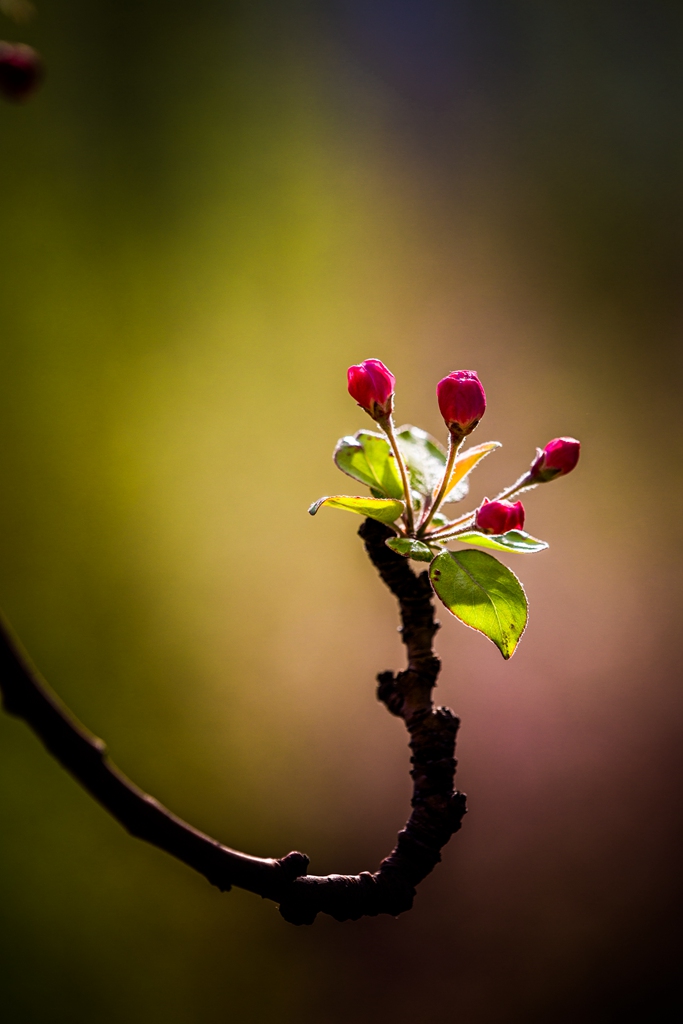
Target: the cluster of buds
(462, 403)
(411, 476)
(21, 71)
(460, 395)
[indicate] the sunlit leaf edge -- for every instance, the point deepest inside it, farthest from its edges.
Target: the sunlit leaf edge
(385, 510)
(497, 541)
(465, 463)
(456, 557)
(351, 442)
(408, 547)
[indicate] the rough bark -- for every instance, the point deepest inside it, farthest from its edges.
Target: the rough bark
(437, 809)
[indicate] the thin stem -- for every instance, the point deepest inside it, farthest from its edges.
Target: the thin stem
(453, 449)
(523, 484)
(388, 427)
(450, 529)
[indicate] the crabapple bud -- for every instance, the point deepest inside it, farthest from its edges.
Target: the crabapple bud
(558, 458)
(462, 401)
(372, 385)
(499, 516)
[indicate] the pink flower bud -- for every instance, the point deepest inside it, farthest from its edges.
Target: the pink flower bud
(21, 70)
(462, 401)
(557, 458)
(500, 516)
(372, 385)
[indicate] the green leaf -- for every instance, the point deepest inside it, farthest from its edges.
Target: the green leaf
(386, 510)
(513, 540)
(368, 458)
(409, 548)
(458, 485)
(425, 458)
(482, 593)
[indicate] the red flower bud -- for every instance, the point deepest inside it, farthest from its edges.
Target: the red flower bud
(500, 516)
(372, 385)
(21, 70)
(461, 400)
(557, 458)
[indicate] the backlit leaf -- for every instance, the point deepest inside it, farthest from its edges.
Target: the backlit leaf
(513, 540)
(386, 510)
(425, 458)
(458, 485)
(410, 548)
(484, 594)
(368, 458)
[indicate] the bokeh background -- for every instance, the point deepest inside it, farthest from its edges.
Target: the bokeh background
(209, 211)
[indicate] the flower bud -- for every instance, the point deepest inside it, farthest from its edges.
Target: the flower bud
(21, 70)
(462, 401)
(372, 385)
(557, 459)
(499, 516)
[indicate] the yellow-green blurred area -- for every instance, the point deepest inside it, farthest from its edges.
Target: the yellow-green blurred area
(208, 212)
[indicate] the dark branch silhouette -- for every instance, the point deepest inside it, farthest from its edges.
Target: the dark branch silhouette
(437, 810)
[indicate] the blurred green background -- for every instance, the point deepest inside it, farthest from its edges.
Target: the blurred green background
(208, 212)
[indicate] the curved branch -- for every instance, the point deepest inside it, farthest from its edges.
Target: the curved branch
(437, 809)
(25, 695)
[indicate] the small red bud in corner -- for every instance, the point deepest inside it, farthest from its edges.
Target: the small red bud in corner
(372, 385)
(21, 71)
(558, 458)
(500, 516)
(462, 401)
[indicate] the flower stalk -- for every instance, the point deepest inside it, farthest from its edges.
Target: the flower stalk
(387, 425)
(454, 446)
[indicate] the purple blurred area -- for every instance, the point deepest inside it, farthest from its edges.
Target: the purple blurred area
(210, 211)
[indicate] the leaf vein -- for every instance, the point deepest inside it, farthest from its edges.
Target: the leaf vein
(476, 582)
